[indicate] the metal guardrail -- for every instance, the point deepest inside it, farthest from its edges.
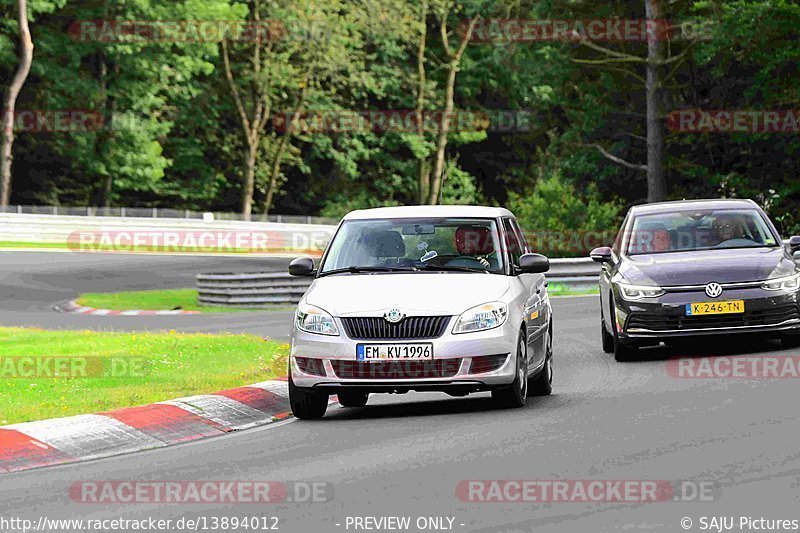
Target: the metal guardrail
(157, 212)
(260, 289)
(263, 289)
(72, 231)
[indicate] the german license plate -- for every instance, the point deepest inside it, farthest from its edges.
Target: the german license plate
(394, 352)
(729, 307)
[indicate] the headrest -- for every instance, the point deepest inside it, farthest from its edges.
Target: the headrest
(386, 244)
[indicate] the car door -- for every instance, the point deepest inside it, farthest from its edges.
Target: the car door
(533, 295)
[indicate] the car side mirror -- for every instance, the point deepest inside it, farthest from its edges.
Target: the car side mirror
(794, 247)
(601, 255)
(533, 264)
(302, 266)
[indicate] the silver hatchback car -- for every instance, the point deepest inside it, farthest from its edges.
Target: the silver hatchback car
(423, 298)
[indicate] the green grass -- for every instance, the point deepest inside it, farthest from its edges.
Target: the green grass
(158, 300)
(75, 247)
(151, 367)
(561, 289)
(14, 244)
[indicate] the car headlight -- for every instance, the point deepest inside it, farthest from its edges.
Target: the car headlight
(487, 316)
(314, 320)
(787, 283)
(639, 292)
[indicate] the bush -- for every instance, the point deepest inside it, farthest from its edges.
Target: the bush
(560, 222)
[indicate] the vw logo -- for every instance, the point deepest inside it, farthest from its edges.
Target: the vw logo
(393, 315)
(713, 290)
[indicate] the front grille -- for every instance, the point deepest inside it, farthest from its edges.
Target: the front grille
(377, 328)
(441, 368)
(487, 363)
(763, 317)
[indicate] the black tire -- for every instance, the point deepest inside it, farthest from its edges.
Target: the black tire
(542, 383)
(790, 340)
(608, 338)
(514, 395)
(623, 353)
(307, 404)
(352, 398)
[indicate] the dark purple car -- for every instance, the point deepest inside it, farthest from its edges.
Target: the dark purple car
(699, 267)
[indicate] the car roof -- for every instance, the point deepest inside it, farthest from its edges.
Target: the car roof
(689, 205)
(429, 211)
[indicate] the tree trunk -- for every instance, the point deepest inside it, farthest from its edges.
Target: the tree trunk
(444, 127)
(9, 104)
(423, 167)
(249, 180)
(656, 187)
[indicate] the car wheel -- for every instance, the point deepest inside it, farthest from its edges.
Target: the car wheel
(542, 384)
(622, 352)
(515, 394)
(608, 338)
(307, 404)
(353, 398)
(791, 341)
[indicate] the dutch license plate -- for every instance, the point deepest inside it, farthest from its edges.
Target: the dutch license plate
(394, 352)
(729, 307)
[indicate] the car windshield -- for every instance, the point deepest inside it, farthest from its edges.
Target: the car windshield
(415, 244)
(699, 230)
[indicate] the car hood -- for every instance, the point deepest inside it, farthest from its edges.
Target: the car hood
(414, 294)
(702, 267)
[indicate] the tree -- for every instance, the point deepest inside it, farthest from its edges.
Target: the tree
(26, 58)
(453, 62)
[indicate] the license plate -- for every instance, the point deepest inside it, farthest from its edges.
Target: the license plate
(729, 307)
(394, 352)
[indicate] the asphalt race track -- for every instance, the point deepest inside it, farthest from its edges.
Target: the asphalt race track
(405, 455)
(32, 283)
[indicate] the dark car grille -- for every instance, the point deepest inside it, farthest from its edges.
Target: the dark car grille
(487, 363)
(763, 317)
(315, 367)
(442, 368)
(377, 328)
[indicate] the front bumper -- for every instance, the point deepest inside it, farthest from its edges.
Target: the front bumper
(450, 352)
(665, 317)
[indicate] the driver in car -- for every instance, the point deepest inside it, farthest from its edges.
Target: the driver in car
(727, 228)
(474, 243)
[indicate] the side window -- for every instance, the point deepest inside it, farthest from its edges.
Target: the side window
(618, 241)
(515, 247)
(526, 249)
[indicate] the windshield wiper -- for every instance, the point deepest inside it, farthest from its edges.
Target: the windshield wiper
(357, 269)
(445, 268)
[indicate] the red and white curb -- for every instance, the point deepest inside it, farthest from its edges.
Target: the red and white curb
(85, 437)
(74, 308)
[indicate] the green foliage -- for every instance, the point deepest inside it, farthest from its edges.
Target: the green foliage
(561, 222)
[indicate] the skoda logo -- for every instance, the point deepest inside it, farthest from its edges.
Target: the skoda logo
(713, 290)
(394, 316)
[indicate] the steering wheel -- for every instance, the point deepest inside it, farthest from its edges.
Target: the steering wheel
(470, 259)
(731, 243)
